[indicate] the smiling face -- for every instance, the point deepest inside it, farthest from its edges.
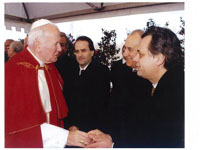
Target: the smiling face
(83, 53)
(130, 49)
(48, 48)
(145, 61)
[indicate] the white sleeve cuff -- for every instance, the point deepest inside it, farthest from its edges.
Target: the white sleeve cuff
(53, 136)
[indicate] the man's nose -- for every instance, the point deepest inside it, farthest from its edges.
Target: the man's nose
(79, 54)
(125, 53)
(136, 58)
(59, 48)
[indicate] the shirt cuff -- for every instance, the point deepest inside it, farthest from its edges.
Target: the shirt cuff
(113, 145)
(53, 136)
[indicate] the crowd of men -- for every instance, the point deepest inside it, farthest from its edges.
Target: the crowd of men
(55, 100)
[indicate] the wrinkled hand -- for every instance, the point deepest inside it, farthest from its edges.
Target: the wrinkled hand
(78, 138)
(100, 139)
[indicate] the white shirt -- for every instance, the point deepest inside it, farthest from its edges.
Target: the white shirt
(154, 85)
(82, 69)
(52, 136)
(124, 61)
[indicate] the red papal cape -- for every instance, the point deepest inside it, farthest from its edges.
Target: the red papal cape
(24, 112)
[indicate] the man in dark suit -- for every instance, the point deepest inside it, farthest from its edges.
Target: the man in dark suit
(87, 90)
(160, 124)
(65, 62)
(160, 60)
(128, 91)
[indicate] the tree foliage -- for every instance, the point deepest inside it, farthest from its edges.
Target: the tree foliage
(107, 51)
(182, 32)
(70, 45)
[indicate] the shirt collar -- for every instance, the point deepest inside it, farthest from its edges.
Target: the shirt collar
(123, 61)
(134, 70)
(38, 60)
(84, 67)
(154, 85)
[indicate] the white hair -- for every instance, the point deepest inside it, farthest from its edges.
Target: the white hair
(37, 31)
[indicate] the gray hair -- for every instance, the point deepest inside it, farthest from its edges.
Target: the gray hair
(17, 46)
(37, 30)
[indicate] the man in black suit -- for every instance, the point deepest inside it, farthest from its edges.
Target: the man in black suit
(160, 124)
(160, 59)
(87, 90)
(128, 91)
(65, 62)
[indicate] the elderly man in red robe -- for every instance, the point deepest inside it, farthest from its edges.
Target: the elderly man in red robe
(34, 103)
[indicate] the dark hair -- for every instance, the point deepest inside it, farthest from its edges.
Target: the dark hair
(85, 38)
(62, 34)
(166, 42)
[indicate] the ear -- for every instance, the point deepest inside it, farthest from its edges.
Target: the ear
(93, 52)
(160, 59)
(37, 45)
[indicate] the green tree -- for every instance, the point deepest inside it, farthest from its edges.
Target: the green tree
(70, 45)
(107, 51)
(182, 33)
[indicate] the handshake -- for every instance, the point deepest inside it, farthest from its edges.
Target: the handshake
(92, 139)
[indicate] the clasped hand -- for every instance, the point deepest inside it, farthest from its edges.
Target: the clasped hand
(92, 139)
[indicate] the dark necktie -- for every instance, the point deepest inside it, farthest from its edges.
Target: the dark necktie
(82, 72)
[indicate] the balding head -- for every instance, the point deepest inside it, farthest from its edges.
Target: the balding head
(130, 47)
(15, 47)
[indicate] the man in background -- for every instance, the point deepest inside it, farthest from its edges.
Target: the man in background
(87, 90)
(6, 47)
(14, 48)
(65, 62)
(128, 93)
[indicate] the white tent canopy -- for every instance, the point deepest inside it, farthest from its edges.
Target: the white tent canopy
(21, 15)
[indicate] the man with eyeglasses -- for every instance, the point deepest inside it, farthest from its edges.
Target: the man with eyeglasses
(129, 90)
(87, 90)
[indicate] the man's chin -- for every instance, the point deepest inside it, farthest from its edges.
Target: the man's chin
(53, 60)
(129, 64)
(139, 73)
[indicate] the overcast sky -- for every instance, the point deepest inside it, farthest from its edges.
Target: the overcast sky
(122, 25)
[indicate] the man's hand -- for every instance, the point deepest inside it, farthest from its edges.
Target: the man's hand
(78, 138)
(73, 128)
(100, 139)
